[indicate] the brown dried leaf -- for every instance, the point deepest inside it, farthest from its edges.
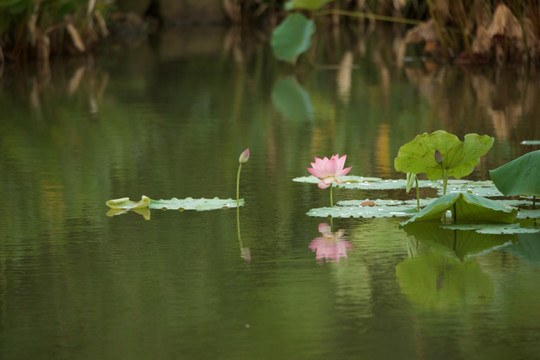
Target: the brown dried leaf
(76, 37)
(101, 23)
(425, 31)
(482, 41)
(505, 24)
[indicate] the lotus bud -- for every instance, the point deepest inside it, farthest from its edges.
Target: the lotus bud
(244, 156)
(438, 157)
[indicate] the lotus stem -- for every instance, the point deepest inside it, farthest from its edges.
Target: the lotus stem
(368, 16)
(331, 198)
(454, 214)
(417, 196)
(238, 186)
(534, 201)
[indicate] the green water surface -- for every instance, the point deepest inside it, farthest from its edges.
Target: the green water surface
(169, 118)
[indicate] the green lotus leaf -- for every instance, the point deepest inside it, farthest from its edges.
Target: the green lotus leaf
(292, 100)
(292, 37)
(459, 158)
(375, 209)
(126, 204)
(520, 176)
(492, 228)
(194, 204)
(174, 204)
(530, 142)
(469, 208)
(480, 188)
(528, 214)
(306, 4)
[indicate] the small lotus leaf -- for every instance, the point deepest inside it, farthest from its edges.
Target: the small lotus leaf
(530, 142)
(306, 4)
(292, 37)
(520, 176)
(468, 208)
(126, 204)
(459, 158)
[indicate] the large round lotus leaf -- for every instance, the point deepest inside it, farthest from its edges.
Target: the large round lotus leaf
(292, 37)
(520, 176)
(459, 158)
(306, 4)
(469, 208)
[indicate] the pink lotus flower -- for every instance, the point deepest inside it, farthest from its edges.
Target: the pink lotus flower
(330, 246)
(329, 170)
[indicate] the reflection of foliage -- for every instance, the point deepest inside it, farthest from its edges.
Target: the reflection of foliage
(435, 281)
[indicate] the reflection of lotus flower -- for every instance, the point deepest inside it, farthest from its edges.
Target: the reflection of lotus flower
(330, 246)
(329, 170)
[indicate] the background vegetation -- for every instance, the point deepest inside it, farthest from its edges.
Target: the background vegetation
(469, 31)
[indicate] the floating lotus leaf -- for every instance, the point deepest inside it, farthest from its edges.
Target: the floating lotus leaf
(368, 183)
(493, 228)
(520, 176)
(306, 4)
(292, 100)
(380, 209)
(459, 158)
(126, 204)
(292, 37)
(530, 142)
(468, 208)
(528, 214)
(462, 242)
(480, 188)
(174, 204)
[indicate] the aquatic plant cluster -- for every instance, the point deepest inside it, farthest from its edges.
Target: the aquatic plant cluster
(462, 31)
(37, 29)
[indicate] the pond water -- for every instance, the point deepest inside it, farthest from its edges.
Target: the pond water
(168, 118)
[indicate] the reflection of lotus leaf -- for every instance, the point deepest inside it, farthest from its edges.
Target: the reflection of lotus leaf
(466, 207)
(462, 243)
(435, 281)
(292, 100)
(520, 176)
(527, 248)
